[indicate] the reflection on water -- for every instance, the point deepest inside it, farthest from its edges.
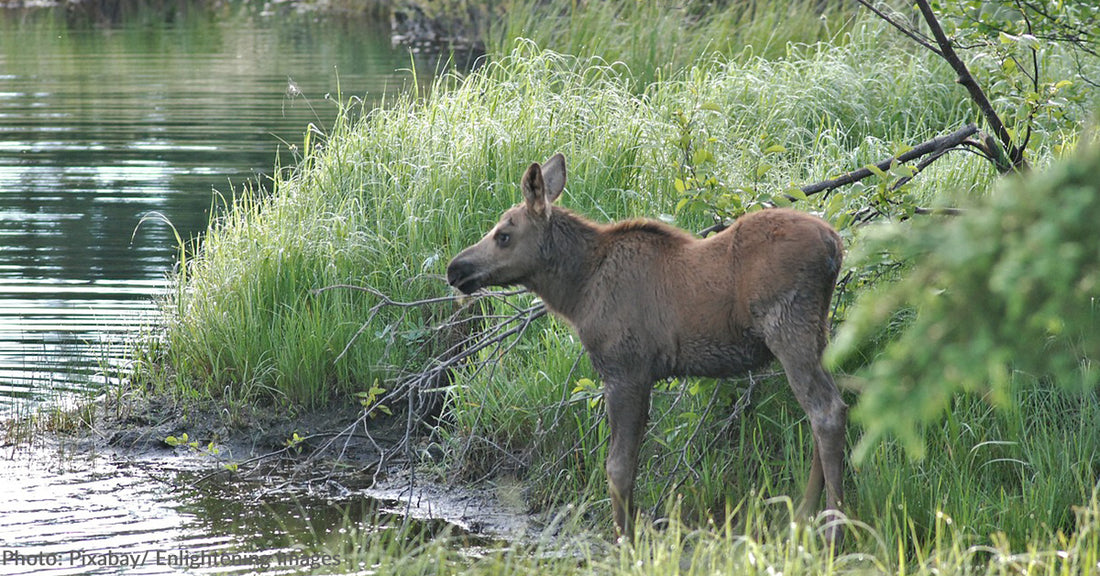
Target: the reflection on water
(84, 514)
(103, 122)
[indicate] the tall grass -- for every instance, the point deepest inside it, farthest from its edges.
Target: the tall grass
(656, 40)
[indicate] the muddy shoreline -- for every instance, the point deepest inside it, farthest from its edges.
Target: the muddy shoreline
(311, 452)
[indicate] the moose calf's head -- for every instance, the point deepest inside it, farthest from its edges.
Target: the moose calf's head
(509, 253)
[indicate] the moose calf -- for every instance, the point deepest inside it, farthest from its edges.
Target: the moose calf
(650, 301)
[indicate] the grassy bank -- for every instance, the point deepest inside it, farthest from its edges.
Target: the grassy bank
(385, 200)
(385, 197)
(761, 549)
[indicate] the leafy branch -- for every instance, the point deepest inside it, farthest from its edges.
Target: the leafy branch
(1014, 31)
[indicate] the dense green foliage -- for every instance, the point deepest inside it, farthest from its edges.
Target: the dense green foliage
(1007, 290)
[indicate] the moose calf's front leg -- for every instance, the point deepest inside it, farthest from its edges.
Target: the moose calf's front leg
(627, 411)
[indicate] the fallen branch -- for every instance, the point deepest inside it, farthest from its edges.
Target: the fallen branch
(676, 478)
(937, 146)
(461, 338)
(931, 150)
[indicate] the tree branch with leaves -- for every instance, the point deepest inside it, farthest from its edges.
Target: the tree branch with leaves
(1017, 32)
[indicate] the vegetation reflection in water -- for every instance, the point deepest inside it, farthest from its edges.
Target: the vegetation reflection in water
(166, 109)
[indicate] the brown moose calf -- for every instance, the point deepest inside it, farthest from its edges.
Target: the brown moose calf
(650, 301)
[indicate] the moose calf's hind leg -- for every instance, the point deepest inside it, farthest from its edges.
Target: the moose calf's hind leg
(818, 395)
(828, 418)
(814, 486)
(829, 433)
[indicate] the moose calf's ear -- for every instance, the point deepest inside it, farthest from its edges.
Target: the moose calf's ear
(553, 176)
(534, 192)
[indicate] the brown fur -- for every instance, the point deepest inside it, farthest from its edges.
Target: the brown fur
(650, 301)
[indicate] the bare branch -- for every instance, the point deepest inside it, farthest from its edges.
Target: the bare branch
(477, 333)
(937, 144)
(932, 150)
(913, 35)
(744, 401)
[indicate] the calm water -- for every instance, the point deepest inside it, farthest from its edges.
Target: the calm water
(84, 514)
(80, 513)
(104, 122)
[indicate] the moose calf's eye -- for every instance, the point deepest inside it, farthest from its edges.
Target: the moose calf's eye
(503, 238)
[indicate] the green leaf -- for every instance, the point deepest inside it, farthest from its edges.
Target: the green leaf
(679, 185)
(583, 385)
(701, 156)
(844, 220)
(775, 149)
(733, 203)
(876, 170)
(902, 171)
(796, 192)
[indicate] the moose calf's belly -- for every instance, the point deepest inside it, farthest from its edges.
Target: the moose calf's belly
(715, 359)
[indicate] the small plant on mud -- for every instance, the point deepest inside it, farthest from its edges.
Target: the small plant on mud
(369, 399)
(211, 450)
(294, 443)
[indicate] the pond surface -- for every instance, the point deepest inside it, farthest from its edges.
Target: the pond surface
(107, 119)
(143, 116)
(85, 513)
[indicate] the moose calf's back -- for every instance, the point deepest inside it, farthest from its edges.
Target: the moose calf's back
(676, 305)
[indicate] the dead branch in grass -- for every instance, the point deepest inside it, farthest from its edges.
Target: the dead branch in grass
(468, 338)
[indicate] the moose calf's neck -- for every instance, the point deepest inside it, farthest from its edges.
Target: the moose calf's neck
(570, 255)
